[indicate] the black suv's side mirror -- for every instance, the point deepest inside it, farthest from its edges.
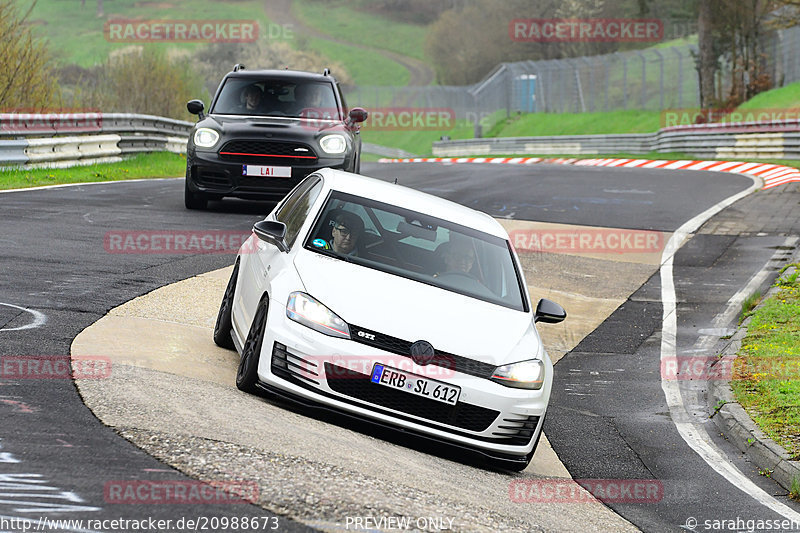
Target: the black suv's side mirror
(272, 232)
(357, 114)
(196, 107)
(549, 312)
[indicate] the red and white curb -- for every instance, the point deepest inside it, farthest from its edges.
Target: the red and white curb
(772, 175)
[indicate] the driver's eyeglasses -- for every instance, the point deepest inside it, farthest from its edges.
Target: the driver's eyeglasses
(343, 230)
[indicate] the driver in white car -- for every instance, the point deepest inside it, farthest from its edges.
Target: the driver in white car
(346, 231)
(458, 256)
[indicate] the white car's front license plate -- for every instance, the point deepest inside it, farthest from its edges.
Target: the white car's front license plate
(418, 385)
(267, 172)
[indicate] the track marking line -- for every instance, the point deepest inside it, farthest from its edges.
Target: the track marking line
(39, 318)
(693, 434)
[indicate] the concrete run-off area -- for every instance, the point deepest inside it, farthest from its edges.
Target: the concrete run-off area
(171, 392)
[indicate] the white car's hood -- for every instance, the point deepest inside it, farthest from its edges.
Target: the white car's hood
(412, 311)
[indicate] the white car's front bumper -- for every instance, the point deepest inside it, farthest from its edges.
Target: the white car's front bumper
(305, 365)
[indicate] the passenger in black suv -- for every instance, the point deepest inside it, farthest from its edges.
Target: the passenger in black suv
(265, 131)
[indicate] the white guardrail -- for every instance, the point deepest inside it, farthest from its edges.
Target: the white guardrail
(746, 140)
(63, 140)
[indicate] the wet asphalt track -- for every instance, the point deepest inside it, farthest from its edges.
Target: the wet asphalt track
(53, 261)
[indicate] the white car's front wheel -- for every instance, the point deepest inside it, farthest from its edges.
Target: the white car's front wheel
(247, 374)
(222, 328)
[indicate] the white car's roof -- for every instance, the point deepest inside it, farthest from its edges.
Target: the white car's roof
(414, 200)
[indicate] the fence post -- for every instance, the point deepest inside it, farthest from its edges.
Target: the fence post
(660, 79)
(624, 82)
(644, 78)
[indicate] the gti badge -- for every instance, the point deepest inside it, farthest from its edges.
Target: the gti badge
(422, 352)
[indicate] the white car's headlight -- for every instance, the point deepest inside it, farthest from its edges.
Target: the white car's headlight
(522, 375)
(306, 310)
(205, 137)
(333, 144)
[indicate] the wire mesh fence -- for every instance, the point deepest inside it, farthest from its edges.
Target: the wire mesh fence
(650, 79)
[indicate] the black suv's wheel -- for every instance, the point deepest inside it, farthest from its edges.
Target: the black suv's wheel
(247, 374)
(222, 328)
(193, 200)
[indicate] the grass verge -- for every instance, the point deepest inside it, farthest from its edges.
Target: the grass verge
(766, 373)
(418, 142)
(547, 124)
(156, 165)
(338, 19)
(365, 68)
(77, 35)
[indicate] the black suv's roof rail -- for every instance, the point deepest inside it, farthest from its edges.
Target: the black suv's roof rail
(238, 66)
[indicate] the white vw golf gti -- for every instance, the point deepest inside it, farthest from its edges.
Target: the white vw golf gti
(394, 306)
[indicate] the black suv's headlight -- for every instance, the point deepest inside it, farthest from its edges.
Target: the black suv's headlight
(205, 137)
(333, 144)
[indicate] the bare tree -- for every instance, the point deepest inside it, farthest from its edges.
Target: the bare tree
(707, 62)
(26, 78)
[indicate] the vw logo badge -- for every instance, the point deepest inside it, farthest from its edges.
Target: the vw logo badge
(422, 352)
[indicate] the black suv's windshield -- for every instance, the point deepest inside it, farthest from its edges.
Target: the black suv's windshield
(275, 97)
(419, 247)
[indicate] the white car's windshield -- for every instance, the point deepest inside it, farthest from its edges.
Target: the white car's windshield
(419, 247)
(274, 97)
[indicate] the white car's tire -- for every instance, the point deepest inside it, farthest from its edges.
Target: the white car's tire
(222, 328)
(247, 373)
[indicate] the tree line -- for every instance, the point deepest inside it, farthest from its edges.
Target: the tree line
(466, 40)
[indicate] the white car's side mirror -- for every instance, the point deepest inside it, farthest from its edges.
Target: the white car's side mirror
(549, 312)
(272, 232)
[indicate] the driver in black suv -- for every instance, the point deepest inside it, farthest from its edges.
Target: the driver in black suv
(253, 144)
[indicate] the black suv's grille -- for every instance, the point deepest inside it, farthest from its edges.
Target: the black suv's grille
(440, 358)
(358, 385)
(269, 152)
